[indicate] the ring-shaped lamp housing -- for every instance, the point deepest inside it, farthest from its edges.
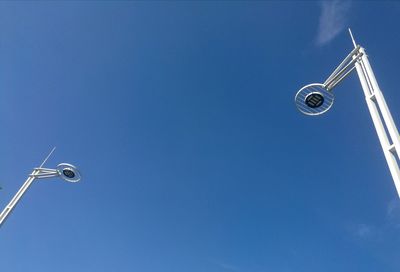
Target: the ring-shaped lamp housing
(314, 99)
(68, 172)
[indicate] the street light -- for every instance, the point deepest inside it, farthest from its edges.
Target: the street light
(66, 171)
(317, 98)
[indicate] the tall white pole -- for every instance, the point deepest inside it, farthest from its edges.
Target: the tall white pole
(385, 127)
(14, 201)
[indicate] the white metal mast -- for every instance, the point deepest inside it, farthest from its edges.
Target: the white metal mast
(381, 116)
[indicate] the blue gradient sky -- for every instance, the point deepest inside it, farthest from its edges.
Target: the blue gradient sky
(181, 118)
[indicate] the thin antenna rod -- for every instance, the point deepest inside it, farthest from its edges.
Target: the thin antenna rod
(48, 156)
(352, 38)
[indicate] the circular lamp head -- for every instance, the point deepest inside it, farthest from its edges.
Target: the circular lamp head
(68, 172)
(314, 99)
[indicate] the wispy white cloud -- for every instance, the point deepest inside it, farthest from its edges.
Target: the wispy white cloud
(332, 20)
(228, 267)
(364, 230)
(390, 224)
(393, 213)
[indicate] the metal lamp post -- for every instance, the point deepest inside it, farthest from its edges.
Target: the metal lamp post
(317, 98)
(66, 171)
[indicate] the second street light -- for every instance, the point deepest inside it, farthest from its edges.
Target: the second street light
(317, 98)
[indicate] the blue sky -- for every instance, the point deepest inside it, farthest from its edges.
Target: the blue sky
(180, 116)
